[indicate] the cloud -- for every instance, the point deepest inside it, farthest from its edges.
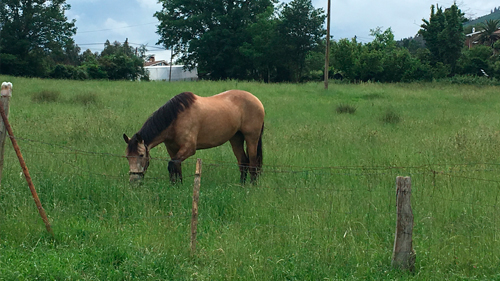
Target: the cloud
(72, 15)
(118, 27)
(149, 4)
(78, 2)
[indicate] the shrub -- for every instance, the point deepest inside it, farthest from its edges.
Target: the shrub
(62, 71)
(473, 80)
(81, 73)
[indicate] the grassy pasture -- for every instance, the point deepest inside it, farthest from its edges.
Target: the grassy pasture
(324, 208)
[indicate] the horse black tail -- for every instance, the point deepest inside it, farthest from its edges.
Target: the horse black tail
(259, 150)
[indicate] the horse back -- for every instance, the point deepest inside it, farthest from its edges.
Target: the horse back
(213, 120)
(245, 109)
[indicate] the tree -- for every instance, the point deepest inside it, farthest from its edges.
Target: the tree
(431, 32)
(444, 36)
(260, 50)
(242, 39)
(454, 36)
(413, 44)
(488, 35)
(300, 30)
(475, 59)
(119, 62)
(209, 34)
(384, 41)
(91, 65)
(381, 60)
(34, 34)
(344, 56)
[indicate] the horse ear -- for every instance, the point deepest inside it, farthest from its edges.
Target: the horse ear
(138, 137)
(127, 139)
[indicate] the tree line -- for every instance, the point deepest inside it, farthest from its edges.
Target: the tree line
(262, 40)
(243, 39)
(36, 41)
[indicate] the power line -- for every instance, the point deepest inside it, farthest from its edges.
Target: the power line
(138, 44)
(90, 44)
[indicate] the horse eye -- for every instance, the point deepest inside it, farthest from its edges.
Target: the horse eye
(141, 155)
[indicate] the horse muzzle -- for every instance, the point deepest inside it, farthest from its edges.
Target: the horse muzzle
(136, 177)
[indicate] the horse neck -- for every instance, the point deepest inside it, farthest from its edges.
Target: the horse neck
(151, 143)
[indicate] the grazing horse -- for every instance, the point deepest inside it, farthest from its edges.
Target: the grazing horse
(188, 122)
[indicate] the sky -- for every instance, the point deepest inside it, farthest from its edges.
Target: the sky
(117, 20)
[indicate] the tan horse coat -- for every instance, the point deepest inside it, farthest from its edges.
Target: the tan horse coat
(236, 116)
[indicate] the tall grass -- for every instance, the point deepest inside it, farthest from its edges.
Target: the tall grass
(324, 207)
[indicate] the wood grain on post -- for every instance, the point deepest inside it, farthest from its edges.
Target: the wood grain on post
(41, 211)
(196, 198)
(6, 94)
(403, 256)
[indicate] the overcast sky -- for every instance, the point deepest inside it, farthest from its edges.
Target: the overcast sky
(116, 20)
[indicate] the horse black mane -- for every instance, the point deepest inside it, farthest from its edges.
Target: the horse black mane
(162, 119)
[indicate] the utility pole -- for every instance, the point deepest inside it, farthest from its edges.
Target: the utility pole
(327, 53)
(170, 72)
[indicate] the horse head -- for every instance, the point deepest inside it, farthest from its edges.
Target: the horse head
(138, 157)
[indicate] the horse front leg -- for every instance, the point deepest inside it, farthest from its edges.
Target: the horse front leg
(175, 170)
(174, 165)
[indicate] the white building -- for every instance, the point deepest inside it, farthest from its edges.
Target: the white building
(162, 73)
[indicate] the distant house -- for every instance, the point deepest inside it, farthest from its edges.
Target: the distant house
(472, 39)
(152, 62)
(163, 71)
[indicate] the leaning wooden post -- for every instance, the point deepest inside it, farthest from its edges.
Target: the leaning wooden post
(6, 94)
(403, 256)
(25, 169)
(196, 198)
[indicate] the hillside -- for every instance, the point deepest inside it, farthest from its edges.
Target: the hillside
(492, 16)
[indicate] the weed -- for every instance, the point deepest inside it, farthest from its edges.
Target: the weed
(345, 108)
(391, 117)
(46, 96)
(86, 99)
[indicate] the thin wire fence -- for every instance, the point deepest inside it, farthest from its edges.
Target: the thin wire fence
(460, 199)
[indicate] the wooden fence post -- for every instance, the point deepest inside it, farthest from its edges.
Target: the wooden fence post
(6, 94)
(41, 211)
(196, 198)
(403, 256)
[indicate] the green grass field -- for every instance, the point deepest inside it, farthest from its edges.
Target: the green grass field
(324, 208)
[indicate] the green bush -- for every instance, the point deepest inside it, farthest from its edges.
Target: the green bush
(62, 71)
(473, 80)
(95, 71)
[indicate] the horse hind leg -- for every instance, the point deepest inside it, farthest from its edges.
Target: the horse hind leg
(259, 151)
(254, 165)
(237, 143)
(254, 150)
